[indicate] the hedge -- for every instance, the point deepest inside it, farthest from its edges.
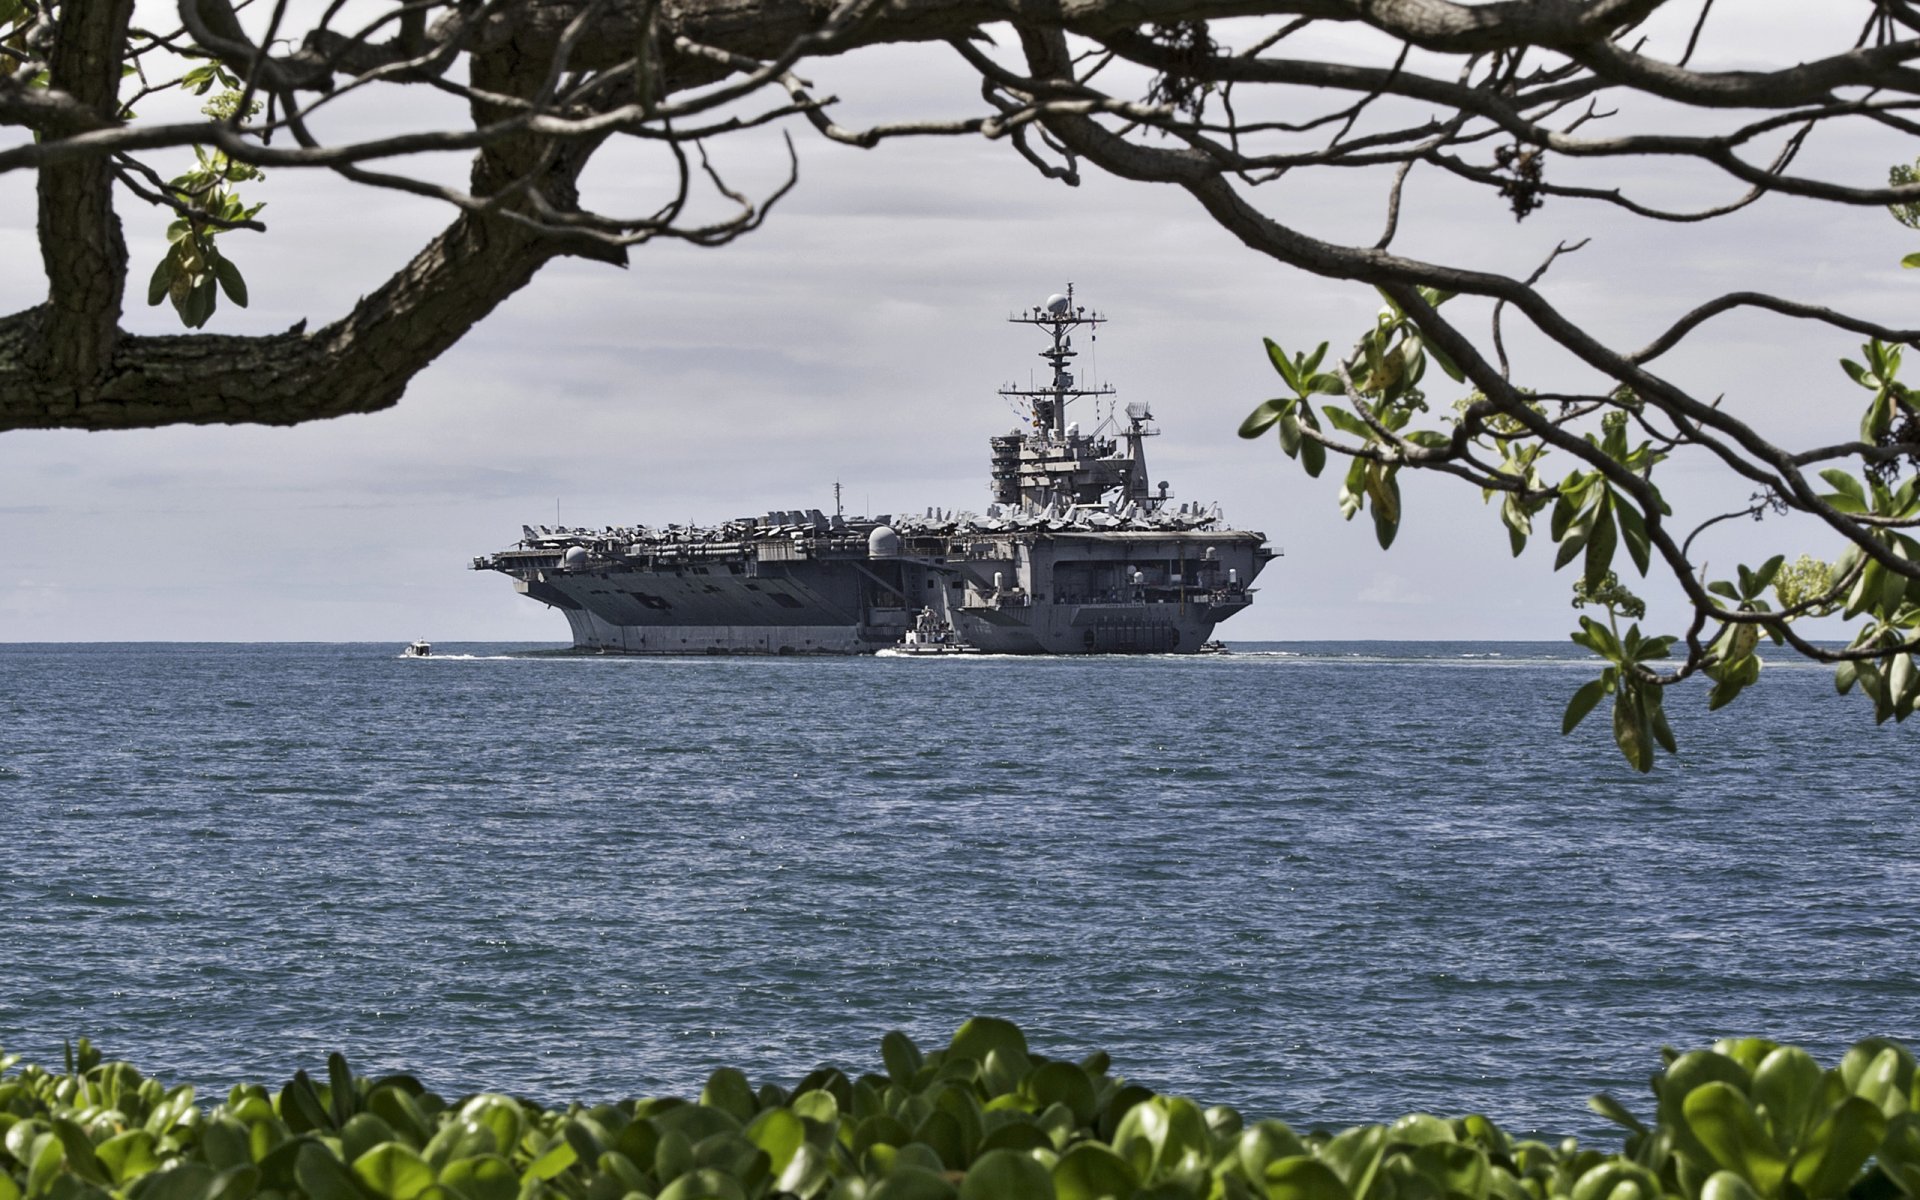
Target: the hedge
(985, 1118)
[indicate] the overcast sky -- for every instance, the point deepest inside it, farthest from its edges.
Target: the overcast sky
(859, 338)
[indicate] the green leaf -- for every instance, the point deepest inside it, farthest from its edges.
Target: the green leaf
(1657, 714)
(1599, 639)
(1383, 487)
(487, 1177)
(399, 1109)
(1833, 1153)
(300, 1106)
(188, 1181)
(199, 304)
(780, 1133)
(1263, 418)
(1633, 531)
(1283, 364)
(1005, 1175)
(705, 1183)
(1313, 456)
(1866, 589)
(1063, 1083)
(1446, 364)
(394, 1171)
(554, 1159)
(229, 277)
(1615, 1111)
(340, 1091)
(1518, 521)
(1574, 542)
(1353, 488)
(1090, 1171)
(1346, 422)
(1264, 1143)
(1304, 1178)
(1878, 418)
(128, 1155)
(728, 1090)
(1844, 483)
(1420, 1129)
(1911, 260)
(1723, 1120)
(1632, 728)
(901, 1056)
(322, 1176)
(1899, 1152)
(81, 1160)
(811, 1168)
(1289, 433)
(364, 1131)
(1725, 1185)
(1613, 1179)
(161, 281)
(1582, 703)
(1600, 544)
(1355, 1155)
(912, 1183)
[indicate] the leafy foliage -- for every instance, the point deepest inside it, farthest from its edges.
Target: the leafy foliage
(193, 272)
(193, 266)
(1609, 503)
(985, 1118)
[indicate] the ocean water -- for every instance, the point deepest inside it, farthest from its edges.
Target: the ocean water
(1323, 882)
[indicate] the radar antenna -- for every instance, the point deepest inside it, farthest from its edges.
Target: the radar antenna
(1059, 317)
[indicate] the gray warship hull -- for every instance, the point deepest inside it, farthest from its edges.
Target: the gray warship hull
(1077, 554)
(827, 592)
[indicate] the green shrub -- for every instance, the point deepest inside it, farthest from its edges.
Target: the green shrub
(984, 1119)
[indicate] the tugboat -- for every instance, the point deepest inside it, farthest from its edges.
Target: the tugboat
(1077, 552)
(417, 650)
(929, 637)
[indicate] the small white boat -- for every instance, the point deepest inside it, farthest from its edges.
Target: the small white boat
(417, 650)
(929, 636)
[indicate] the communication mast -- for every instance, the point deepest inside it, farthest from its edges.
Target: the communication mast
(1059, 317)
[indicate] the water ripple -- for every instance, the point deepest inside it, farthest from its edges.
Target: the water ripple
(1326, 883)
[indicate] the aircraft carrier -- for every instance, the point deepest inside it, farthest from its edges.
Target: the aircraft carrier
(1077, 553)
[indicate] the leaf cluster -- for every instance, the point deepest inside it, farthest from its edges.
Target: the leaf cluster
(985, 1118)
(1893, 405)
(1639, 716)
(1381, 378)
(1608, 503)
(193, 272)
(1888, 601)
(1750, 1119)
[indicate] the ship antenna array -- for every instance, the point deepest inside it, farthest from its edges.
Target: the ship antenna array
(1058, 317)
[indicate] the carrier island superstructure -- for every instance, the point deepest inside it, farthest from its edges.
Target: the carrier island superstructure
(1077, 553)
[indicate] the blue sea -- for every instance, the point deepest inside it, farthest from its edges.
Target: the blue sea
(1323, 882)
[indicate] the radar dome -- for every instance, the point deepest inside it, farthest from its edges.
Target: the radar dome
(1058, 304)
(575, 558)
(883, 542)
